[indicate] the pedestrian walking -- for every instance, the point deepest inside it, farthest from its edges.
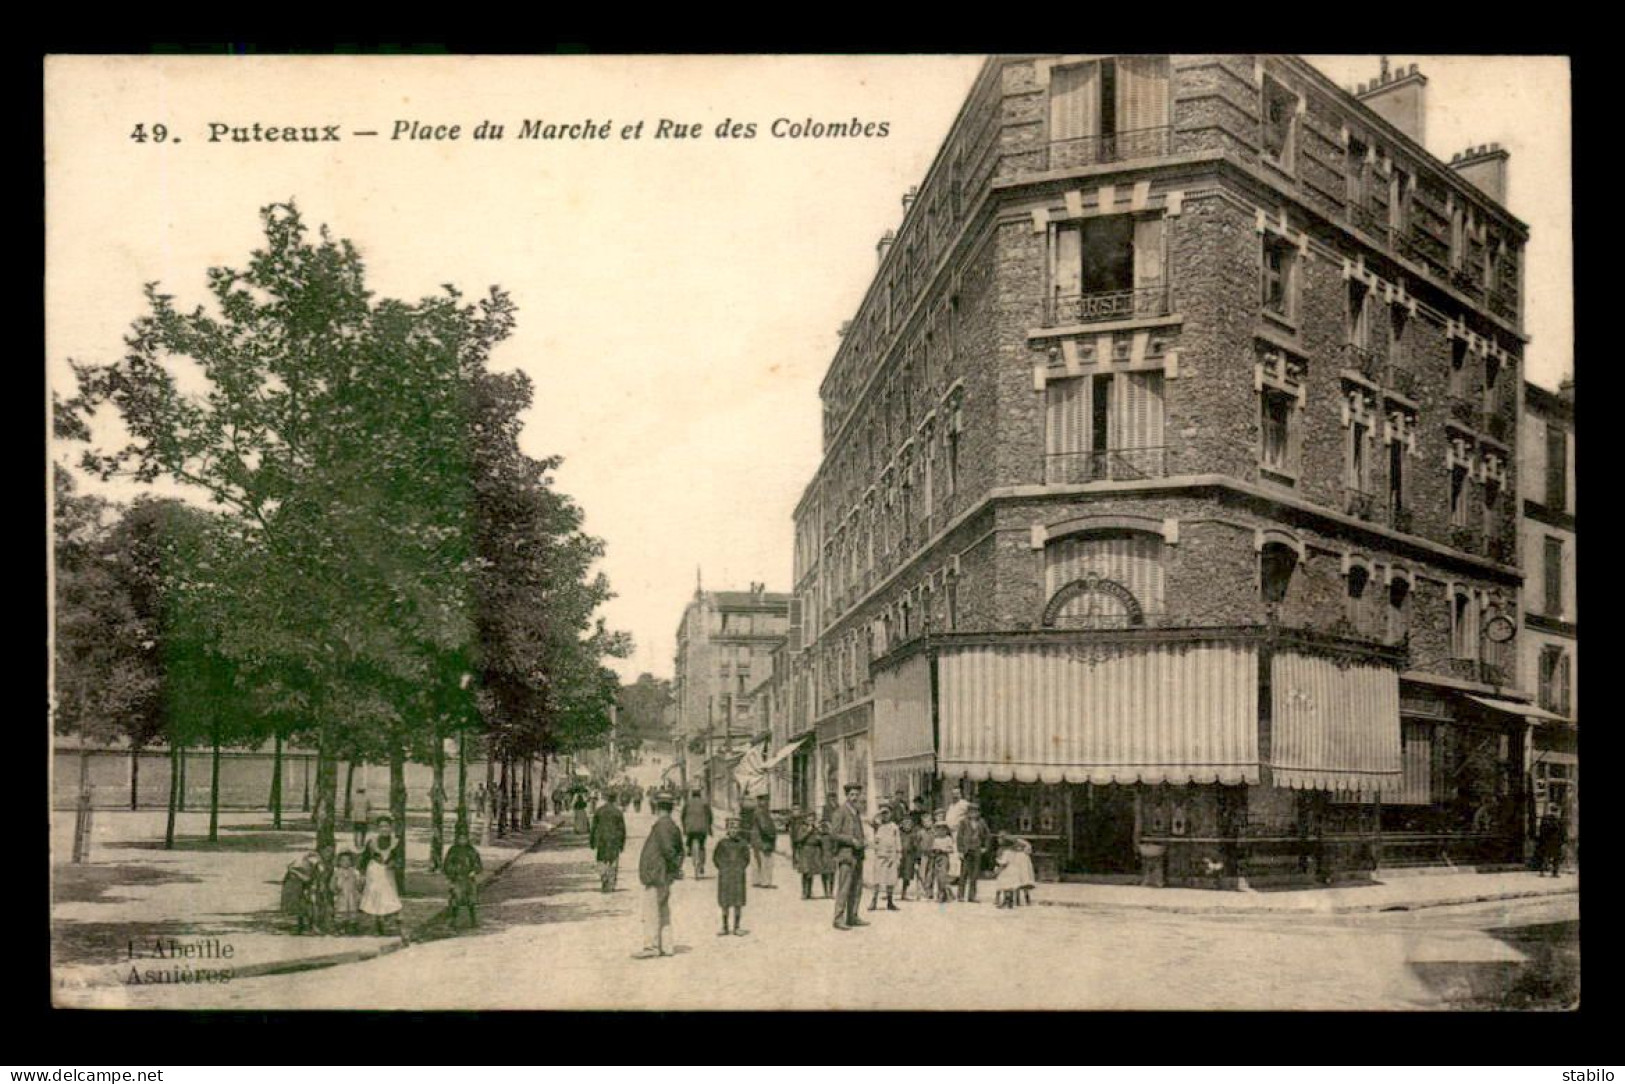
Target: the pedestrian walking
(806, 850)
(696, 827)
(659, 864)
(971, 841)
(764, 838)
(1549, 845)
(846, 835)
(731, 859)
(888, 852)
(479, 800)
(347, 892)
(608, 839)
(582, 824)
(462, 866)
(379, 897)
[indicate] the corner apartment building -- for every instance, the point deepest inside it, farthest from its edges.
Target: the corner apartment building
(1549, 656)
(725, 642)
(1166, 499)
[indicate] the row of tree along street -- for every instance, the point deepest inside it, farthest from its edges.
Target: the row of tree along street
(373, 568)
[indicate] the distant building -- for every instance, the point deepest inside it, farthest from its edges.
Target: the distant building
(1167, 499)
(724, 646)
(1549, 658)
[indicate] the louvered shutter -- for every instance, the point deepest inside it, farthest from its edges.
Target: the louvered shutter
(1148, 261)
(1074, 102)
(1142, 94)
(1067, 275)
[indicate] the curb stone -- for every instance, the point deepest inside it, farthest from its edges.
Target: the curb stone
(1345, 909)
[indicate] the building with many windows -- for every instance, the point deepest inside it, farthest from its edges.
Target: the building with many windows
(1551, 634)
(724, 646)
(1165, 499)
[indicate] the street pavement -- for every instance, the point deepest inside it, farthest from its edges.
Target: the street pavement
(550, 939)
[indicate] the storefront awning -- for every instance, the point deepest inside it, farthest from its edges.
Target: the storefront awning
(1166, 712)
(1518, 707)
(785, 751)
(1334, 725)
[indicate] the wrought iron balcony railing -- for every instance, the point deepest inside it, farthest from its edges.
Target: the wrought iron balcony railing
(1121, 147)
(1098, 308)
(1357, 502)
(1117, 465)
(1364, 361)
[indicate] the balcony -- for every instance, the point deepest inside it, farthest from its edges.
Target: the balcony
(1496, 426)
(1366, 362)
(1116, 465)
(1467, 539)
(1357, 502)
(1121, 147)
(1098, 308)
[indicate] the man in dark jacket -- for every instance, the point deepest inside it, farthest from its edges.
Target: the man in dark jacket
(846, 839)
(764, 837)
(972, 839)
(608, 839)
(696, 827)
(659, 865)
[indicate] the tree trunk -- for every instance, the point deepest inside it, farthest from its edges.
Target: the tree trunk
(437, 805)
(397, 809)
(541, 790)
(513, 798)
(327, 786)
(276, 780)
(135, 777)
(502, 801)
(181, 804)
(349, 788)
(462, 779)
(174, 794)
(214, 787)
(525, 805)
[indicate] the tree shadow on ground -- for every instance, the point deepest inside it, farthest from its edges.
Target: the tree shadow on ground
(1546, 978)
(260, 841)
(526, 894)
(90, 883)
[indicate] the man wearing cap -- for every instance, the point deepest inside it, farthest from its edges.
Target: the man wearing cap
(764, 837)
(660, 864)
(846, 836)
(696, 827)
(972, 840)
(608, 838)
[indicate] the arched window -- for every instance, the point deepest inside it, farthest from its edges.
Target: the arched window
(1103, 579)
(1359, 594)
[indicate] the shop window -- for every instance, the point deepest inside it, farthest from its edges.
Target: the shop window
(1276, 563)
(1280, 119)
(1279, 288)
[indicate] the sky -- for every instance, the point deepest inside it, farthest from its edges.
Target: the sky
(678, 298)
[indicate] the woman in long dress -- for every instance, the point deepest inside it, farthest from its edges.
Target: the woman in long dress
(378, 895)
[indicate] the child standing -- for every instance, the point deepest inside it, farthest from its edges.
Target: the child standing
(297, 882)
(944, 857)
(461, 866)
(731, 859)
(347, 892)
(1007, 884)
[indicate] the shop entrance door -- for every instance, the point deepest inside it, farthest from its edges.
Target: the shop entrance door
(1103, 830)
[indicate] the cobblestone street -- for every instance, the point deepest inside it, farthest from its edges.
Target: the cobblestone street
(551, 940)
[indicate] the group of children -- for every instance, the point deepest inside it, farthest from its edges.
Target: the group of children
(343, 894)
(927, 853)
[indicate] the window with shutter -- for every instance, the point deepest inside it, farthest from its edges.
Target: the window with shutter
(1074, 102)
(1142, 100)
(1557, 468)
(1148, 253)
(1553, 577)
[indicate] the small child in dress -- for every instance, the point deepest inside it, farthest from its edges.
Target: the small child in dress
(347, 892)
(944, 857)
(1007, 885)
(1026, 877)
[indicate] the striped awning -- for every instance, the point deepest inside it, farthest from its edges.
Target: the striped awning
(902, 722)
(1160, 712)
(1334, 725)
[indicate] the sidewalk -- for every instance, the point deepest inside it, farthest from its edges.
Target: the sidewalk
(111, 915)
(1395, 892)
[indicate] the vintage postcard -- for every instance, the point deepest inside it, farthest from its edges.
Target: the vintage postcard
(1063, 531)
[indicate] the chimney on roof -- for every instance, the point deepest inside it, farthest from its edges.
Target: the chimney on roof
(1398, 97)
(1565, 390)
(884, 246)
(909, 197)
(1485, 168)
